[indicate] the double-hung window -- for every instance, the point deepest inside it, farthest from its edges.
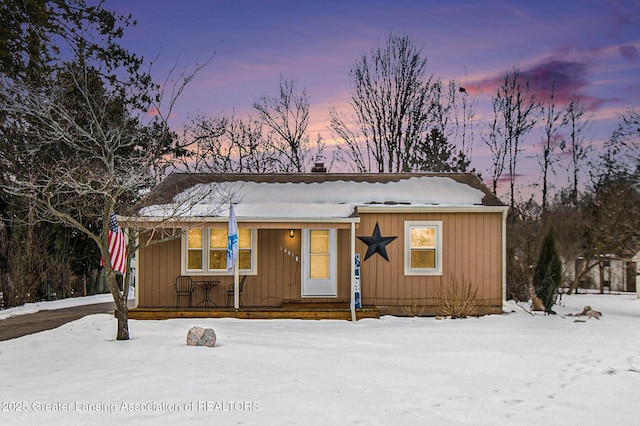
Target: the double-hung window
(206, 251)
(423, 248)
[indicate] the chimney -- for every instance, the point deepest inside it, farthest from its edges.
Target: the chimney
(318, 168)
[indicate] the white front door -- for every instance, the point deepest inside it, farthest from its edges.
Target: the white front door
(319, 263)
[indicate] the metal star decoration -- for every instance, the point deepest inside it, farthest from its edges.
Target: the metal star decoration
(377, 243)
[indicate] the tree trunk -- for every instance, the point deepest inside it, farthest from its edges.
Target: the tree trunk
(120, 300)
(122, 314)
(577, 276)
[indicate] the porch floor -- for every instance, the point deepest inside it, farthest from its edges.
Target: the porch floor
(311, 312)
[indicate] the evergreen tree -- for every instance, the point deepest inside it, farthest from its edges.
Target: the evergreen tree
(547, 276)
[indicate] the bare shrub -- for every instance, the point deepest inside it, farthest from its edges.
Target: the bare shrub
(457, 298)
(413, 310)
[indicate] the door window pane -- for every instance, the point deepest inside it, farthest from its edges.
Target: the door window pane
(319, 241)
(319, 266)
(319, 253)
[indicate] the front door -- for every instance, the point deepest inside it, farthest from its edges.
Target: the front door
(319, 263)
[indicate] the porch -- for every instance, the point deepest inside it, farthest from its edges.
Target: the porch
(292, 309)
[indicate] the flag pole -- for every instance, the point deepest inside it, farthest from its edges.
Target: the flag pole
(232, 254)
(236, 293)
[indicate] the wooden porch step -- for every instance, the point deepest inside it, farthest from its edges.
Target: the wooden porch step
(251, 313)
(316, 303)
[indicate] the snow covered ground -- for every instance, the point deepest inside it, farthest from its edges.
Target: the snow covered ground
(509, 369)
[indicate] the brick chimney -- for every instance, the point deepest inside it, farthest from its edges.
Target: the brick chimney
(318, 168)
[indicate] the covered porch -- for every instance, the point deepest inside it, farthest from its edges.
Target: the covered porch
(279, 277)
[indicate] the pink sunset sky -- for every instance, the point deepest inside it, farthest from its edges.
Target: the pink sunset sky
(591, 47)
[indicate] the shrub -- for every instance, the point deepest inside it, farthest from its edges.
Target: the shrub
(457, 299)
(547, 276)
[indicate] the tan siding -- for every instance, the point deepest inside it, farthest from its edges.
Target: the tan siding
(344, 264)
(278, 277)
(159, 265)
(471, 251)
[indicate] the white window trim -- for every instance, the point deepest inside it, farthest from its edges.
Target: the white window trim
(407, 247)
(205, 248)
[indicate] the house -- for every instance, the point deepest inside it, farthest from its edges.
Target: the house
(611, 272)
(300, 235)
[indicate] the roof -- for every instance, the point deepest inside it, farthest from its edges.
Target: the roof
(310, 195)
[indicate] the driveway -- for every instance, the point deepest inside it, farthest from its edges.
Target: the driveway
(21, 325)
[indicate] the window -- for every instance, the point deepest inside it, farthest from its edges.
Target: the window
(208, 247)
(218, 248)
(423, 248)
(319, 253)
(194, 249)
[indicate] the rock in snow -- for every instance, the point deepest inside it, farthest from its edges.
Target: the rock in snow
(198, 336)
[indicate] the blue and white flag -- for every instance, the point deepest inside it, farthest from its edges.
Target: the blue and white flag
(232, 240)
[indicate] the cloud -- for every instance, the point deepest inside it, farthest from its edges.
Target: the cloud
(563, 77)
(629, 51)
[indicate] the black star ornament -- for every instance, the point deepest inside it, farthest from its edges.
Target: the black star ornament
(377, 244)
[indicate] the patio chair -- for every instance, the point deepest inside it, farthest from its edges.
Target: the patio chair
(230, 292)
(184, 287)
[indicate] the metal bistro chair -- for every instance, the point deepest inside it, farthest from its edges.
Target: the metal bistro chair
(230, 292)
(184, 287)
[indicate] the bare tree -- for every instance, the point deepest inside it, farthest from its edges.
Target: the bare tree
(498, 146)
(516, 105)
(465, 122)
(625, 143)
(228, 145)
(524, 228)
(453, 113)
(90, 153)
(350, 152)
(606, 222)
(552, 117)
(576, 144)
(392, 103)
(288, 116)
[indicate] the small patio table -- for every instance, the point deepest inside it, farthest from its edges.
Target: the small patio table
(206, 286)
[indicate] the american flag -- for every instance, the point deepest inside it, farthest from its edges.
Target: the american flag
(117, 246)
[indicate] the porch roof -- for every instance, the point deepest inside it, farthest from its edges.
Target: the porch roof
(314, 196)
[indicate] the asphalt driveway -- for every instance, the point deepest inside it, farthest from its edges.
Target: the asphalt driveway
(21, 325)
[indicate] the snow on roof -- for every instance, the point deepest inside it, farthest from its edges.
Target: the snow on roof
(297, 198)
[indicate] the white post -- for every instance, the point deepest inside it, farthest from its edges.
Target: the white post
(504, 254)
(236, 289)
(352, 304)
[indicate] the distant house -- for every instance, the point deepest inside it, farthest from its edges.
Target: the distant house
(611, 273)
(299, 236)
